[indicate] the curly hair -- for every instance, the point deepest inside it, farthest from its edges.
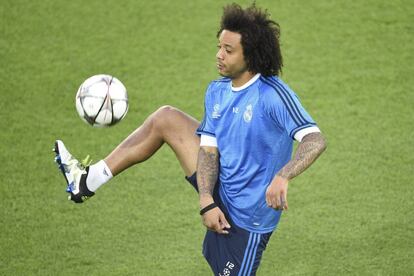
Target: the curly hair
(259, 37)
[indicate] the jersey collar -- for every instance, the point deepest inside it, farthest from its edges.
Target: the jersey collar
(247, 84)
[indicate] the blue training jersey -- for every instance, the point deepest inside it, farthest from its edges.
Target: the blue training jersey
(254, 128)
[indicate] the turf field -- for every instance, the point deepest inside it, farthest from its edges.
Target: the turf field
(351, 63)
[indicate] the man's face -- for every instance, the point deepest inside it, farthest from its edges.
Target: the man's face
(230, 59)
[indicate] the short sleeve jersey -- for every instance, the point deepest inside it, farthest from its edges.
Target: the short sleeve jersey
(254, 128)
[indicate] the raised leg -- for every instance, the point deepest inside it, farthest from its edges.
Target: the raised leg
(166, 125)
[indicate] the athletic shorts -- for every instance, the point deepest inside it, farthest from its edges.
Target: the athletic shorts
(237, 253)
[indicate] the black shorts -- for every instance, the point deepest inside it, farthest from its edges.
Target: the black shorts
(237, 253)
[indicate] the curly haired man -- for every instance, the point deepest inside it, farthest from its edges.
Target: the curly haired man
(239, 158)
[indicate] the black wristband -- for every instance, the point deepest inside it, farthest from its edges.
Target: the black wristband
(208, 208)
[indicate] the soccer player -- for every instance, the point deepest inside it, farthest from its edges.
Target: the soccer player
(239, 157)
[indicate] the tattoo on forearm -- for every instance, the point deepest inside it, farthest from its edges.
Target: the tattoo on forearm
(309, 149)
(207, 171)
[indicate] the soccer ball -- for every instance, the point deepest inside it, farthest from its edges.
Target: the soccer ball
(102, 101)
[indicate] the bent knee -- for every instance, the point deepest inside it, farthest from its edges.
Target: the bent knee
(164, 116)
(166, 110)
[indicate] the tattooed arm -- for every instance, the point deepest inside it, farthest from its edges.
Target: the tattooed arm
(308, 150)
(207, 174)
(207, 171)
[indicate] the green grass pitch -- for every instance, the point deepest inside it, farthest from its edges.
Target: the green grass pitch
(351, 63)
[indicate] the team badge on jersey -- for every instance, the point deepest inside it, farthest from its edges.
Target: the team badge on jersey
(248, 113)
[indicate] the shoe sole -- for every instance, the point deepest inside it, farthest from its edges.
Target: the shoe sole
(58, 161)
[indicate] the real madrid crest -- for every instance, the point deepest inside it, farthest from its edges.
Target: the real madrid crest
(248, 113)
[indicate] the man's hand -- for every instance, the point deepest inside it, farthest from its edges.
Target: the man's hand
(276, 193)
(214, 219)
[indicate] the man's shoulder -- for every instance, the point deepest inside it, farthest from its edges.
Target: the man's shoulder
(270, 83)
(268, 87)
(273, 88)
(217, 86)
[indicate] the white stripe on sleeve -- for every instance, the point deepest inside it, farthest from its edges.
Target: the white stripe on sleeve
(303, 132)
(208, 141)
